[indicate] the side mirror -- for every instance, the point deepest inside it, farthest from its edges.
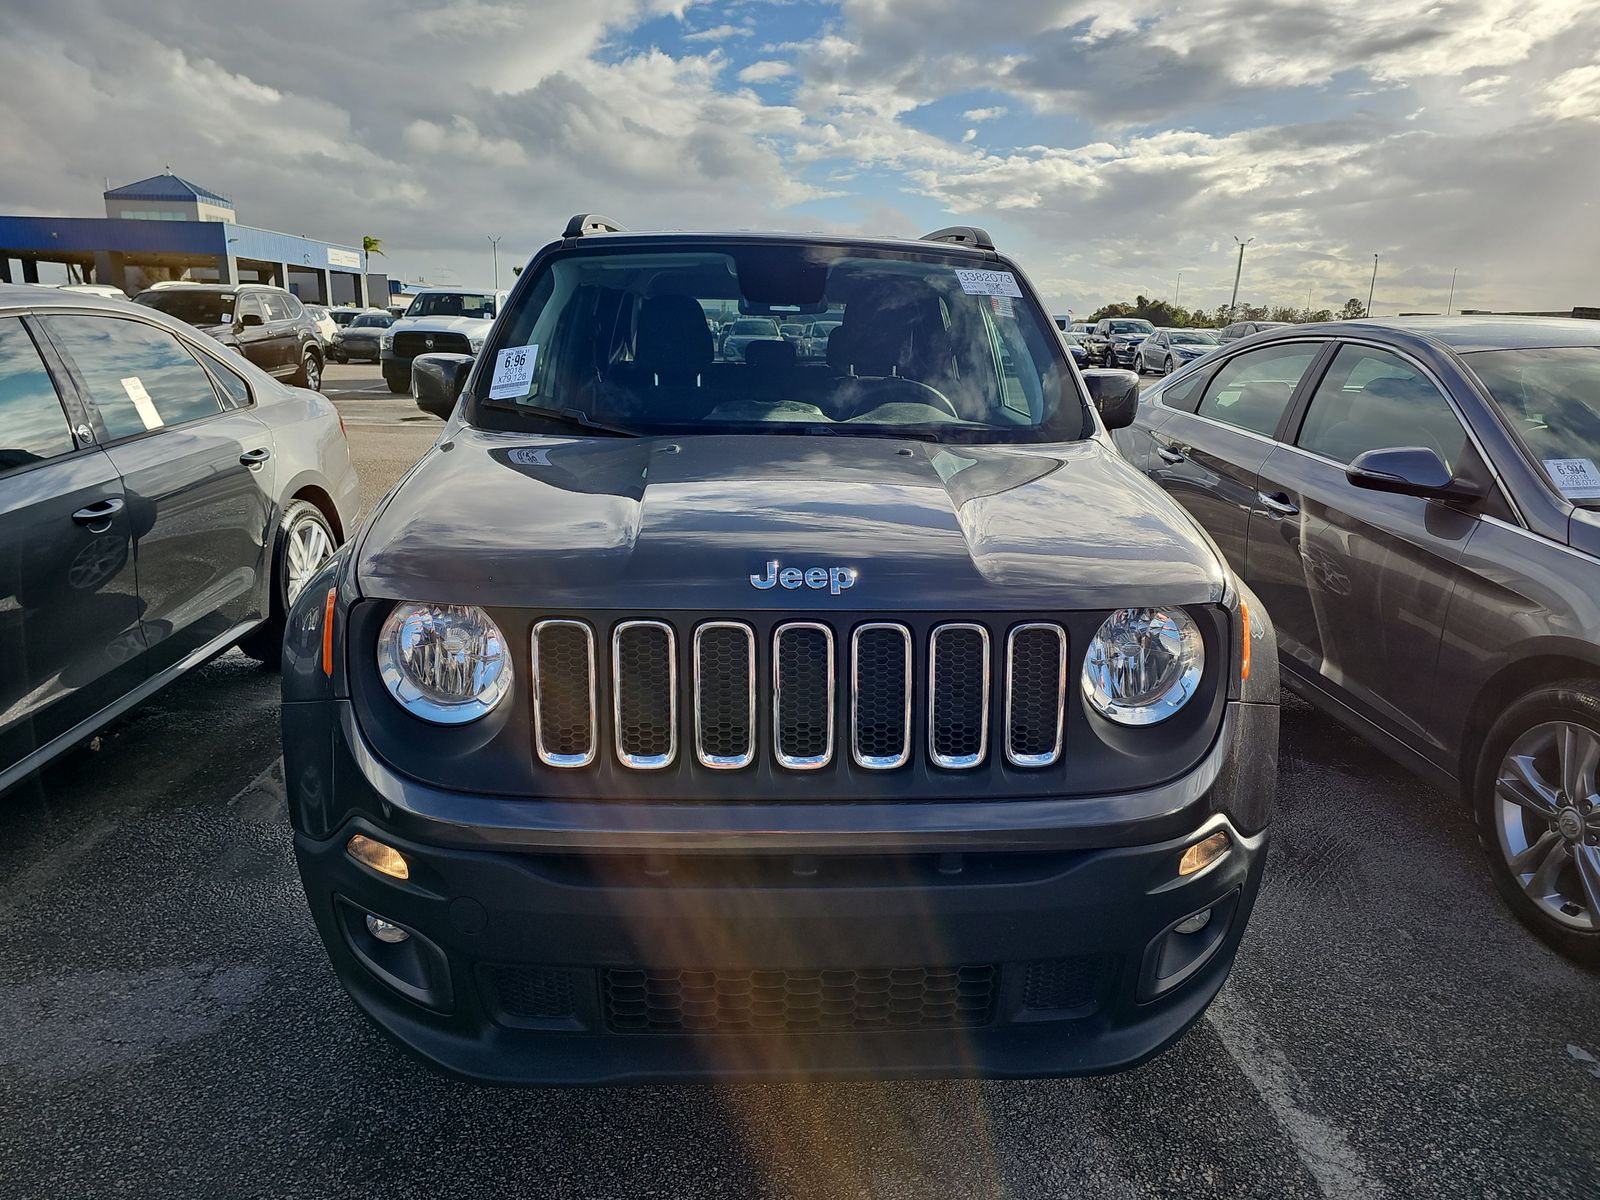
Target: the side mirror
(437, 380)
(251, 319)
(1115, 394)
(1411, 471)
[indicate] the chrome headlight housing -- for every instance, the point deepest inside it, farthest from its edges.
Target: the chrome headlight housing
(444, 663)
(475, 344)
(1143, 665)
(387, 341)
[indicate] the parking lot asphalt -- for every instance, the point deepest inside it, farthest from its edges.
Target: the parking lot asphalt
(170, 1026)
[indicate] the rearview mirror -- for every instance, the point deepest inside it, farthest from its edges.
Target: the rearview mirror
(1410, 471)
(1115, 394)
(437, 380)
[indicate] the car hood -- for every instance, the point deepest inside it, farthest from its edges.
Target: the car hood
(471, 326)
(685, 523)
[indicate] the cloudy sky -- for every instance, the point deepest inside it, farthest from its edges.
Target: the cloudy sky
(1108, 146)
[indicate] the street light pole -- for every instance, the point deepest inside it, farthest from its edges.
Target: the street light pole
(1374, 285)
(494, 249)
(1448, 303)
(1233, 304)
(1177, 291)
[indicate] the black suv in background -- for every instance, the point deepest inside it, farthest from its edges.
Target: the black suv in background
(267, 325)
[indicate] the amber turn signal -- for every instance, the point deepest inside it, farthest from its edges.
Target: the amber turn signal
(1204, 852)
(327, 631)
(383, 859)
(1244, 628)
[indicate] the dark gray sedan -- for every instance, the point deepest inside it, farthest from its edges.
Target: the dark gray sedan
(161, 500)
(361, 337)
(1418, 504)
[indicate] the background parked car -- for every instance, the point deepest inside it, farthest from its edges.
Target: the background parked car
(1243, 329)
(443, 320)
(362, 337)
(744, 331)
(267, 325)
(1417, 502)
(324, 323)
(344, 315)
(127, 438)
(1115, 340)
(1168, 349)
(815, 342)
(1076, 348)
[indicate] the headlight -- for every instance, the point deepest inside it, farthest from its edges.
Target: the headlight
(445, 663)
(475, 344)
(387, 342)
(1143, 665)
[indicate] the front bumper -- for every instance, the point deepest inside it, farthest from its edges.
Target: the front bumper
(625, 946)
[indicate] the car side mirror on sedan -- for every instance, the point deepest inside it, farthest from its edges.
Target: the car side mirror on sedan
(1411, 471)
(1115, 394)
(437, 380)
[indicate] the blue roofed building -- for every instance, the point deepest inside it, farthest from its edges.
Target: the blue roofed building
(166, 227)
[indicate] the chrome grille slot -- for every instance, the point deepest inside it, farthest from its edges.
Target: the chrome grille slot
(644, 693)
(958, 695)
(1036, 687)
(725, 695)
(880, 696)
(564, 693)
(802, 695)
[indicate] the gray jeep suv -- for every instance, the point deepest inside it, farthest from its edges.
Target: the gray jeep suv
(686, 714)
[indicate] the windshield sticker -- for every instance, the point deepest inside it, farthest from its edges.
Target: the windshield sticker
(513, 372)
(1578, 478)
(142, 403)
(989, 283)
(1001, 306)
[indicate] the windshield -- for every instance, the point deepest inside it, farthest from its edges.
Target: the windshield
(1552, 399)
(197, 308)
(1131, 327)
(371, 321)
(1191, 337)
(451, 304)
(922, 343)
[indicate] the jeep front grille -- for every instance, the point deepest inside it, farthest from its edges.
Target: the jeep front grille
(941, 683)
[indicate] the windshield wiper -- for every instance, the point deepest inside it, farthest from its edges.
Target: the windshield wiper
(578, 419)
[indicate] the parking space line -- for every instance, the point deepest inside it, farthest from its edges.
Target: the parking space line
(1321, 1145)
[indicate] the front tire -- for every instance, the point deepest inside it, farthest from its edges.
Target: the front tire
(1168, 366)
(310, 373)
(397, 385)
(1536, 800)
(304, 542)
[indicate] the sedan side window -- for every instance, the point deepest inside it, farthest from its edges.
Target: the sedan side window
(235, 391)
(1252, 390)
(33, 425)
(1371, 399)
(139, 377)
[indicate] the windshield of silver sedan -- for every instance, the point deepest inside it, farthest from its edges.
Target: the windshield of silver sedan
(778, 338)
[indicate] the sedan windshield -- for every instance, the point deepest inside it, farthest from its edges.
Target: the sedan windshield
(1132, 327)
(372, 321)
(1552, 399)
(195, 307)
(1192, 337)
(925, 346)
(451, 304)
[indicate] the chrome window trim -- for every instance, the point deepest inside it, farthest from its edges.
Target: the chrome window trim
(813, 762)
(878, 762)
(726, 762)
(960, 762)
(1037, 760)
(645, 762)
(566, 761)
(1222, 362)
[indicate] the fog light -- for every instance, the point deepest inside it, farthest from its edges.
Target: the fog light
(1204, 852)
(384, 931)
(384, 859)
(1192, 924)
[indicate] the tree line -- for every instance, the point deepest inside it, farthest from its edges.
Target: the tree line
(1174, 316)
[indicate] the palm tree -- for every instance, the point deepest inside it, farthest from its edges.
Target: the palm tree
(371, 244)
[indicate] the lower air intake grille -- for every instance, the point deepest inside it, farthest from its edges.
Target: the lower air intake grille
(531, 993)
(803, 703)
(1059, 984)
(643, 1001)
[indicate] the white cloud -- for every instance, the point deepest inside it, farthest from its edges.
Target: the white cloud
(1573, 94)
(766, 71)
(976, 115)
(718, 33)
(970, 135)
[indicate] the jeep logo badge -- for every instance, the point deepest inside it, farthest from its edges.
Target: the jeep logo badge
(834, 579)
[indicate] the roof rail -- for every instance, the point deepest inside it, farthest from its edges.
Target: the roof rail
(592, 223)
(961, 235)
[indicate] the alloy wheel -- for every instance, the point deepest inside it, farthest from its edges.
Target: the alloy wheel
(1547, 816)
(313, 373)
(306, 548)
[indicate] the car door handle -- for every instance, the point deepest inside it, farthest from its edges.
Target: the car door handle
(1171, 456)
(254, 458)
(97, 517)
(1278, 502)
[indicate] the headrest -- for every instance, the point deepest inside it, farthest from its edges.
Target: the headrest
(1395, 387)
(769, 355)
(879, 348)
(673, 336)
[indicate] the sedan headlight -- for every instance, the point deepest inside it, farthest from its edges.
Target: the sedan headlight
(445, 663)
(387, 341)
(1143, 665)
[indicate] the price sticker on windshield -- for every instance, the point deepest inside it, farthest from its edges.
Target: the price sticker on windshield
(1578, 478)
(513, 372)
(988, 283)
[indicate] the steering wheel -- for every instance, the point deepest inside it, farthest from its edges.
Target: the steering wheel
(869, 390)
